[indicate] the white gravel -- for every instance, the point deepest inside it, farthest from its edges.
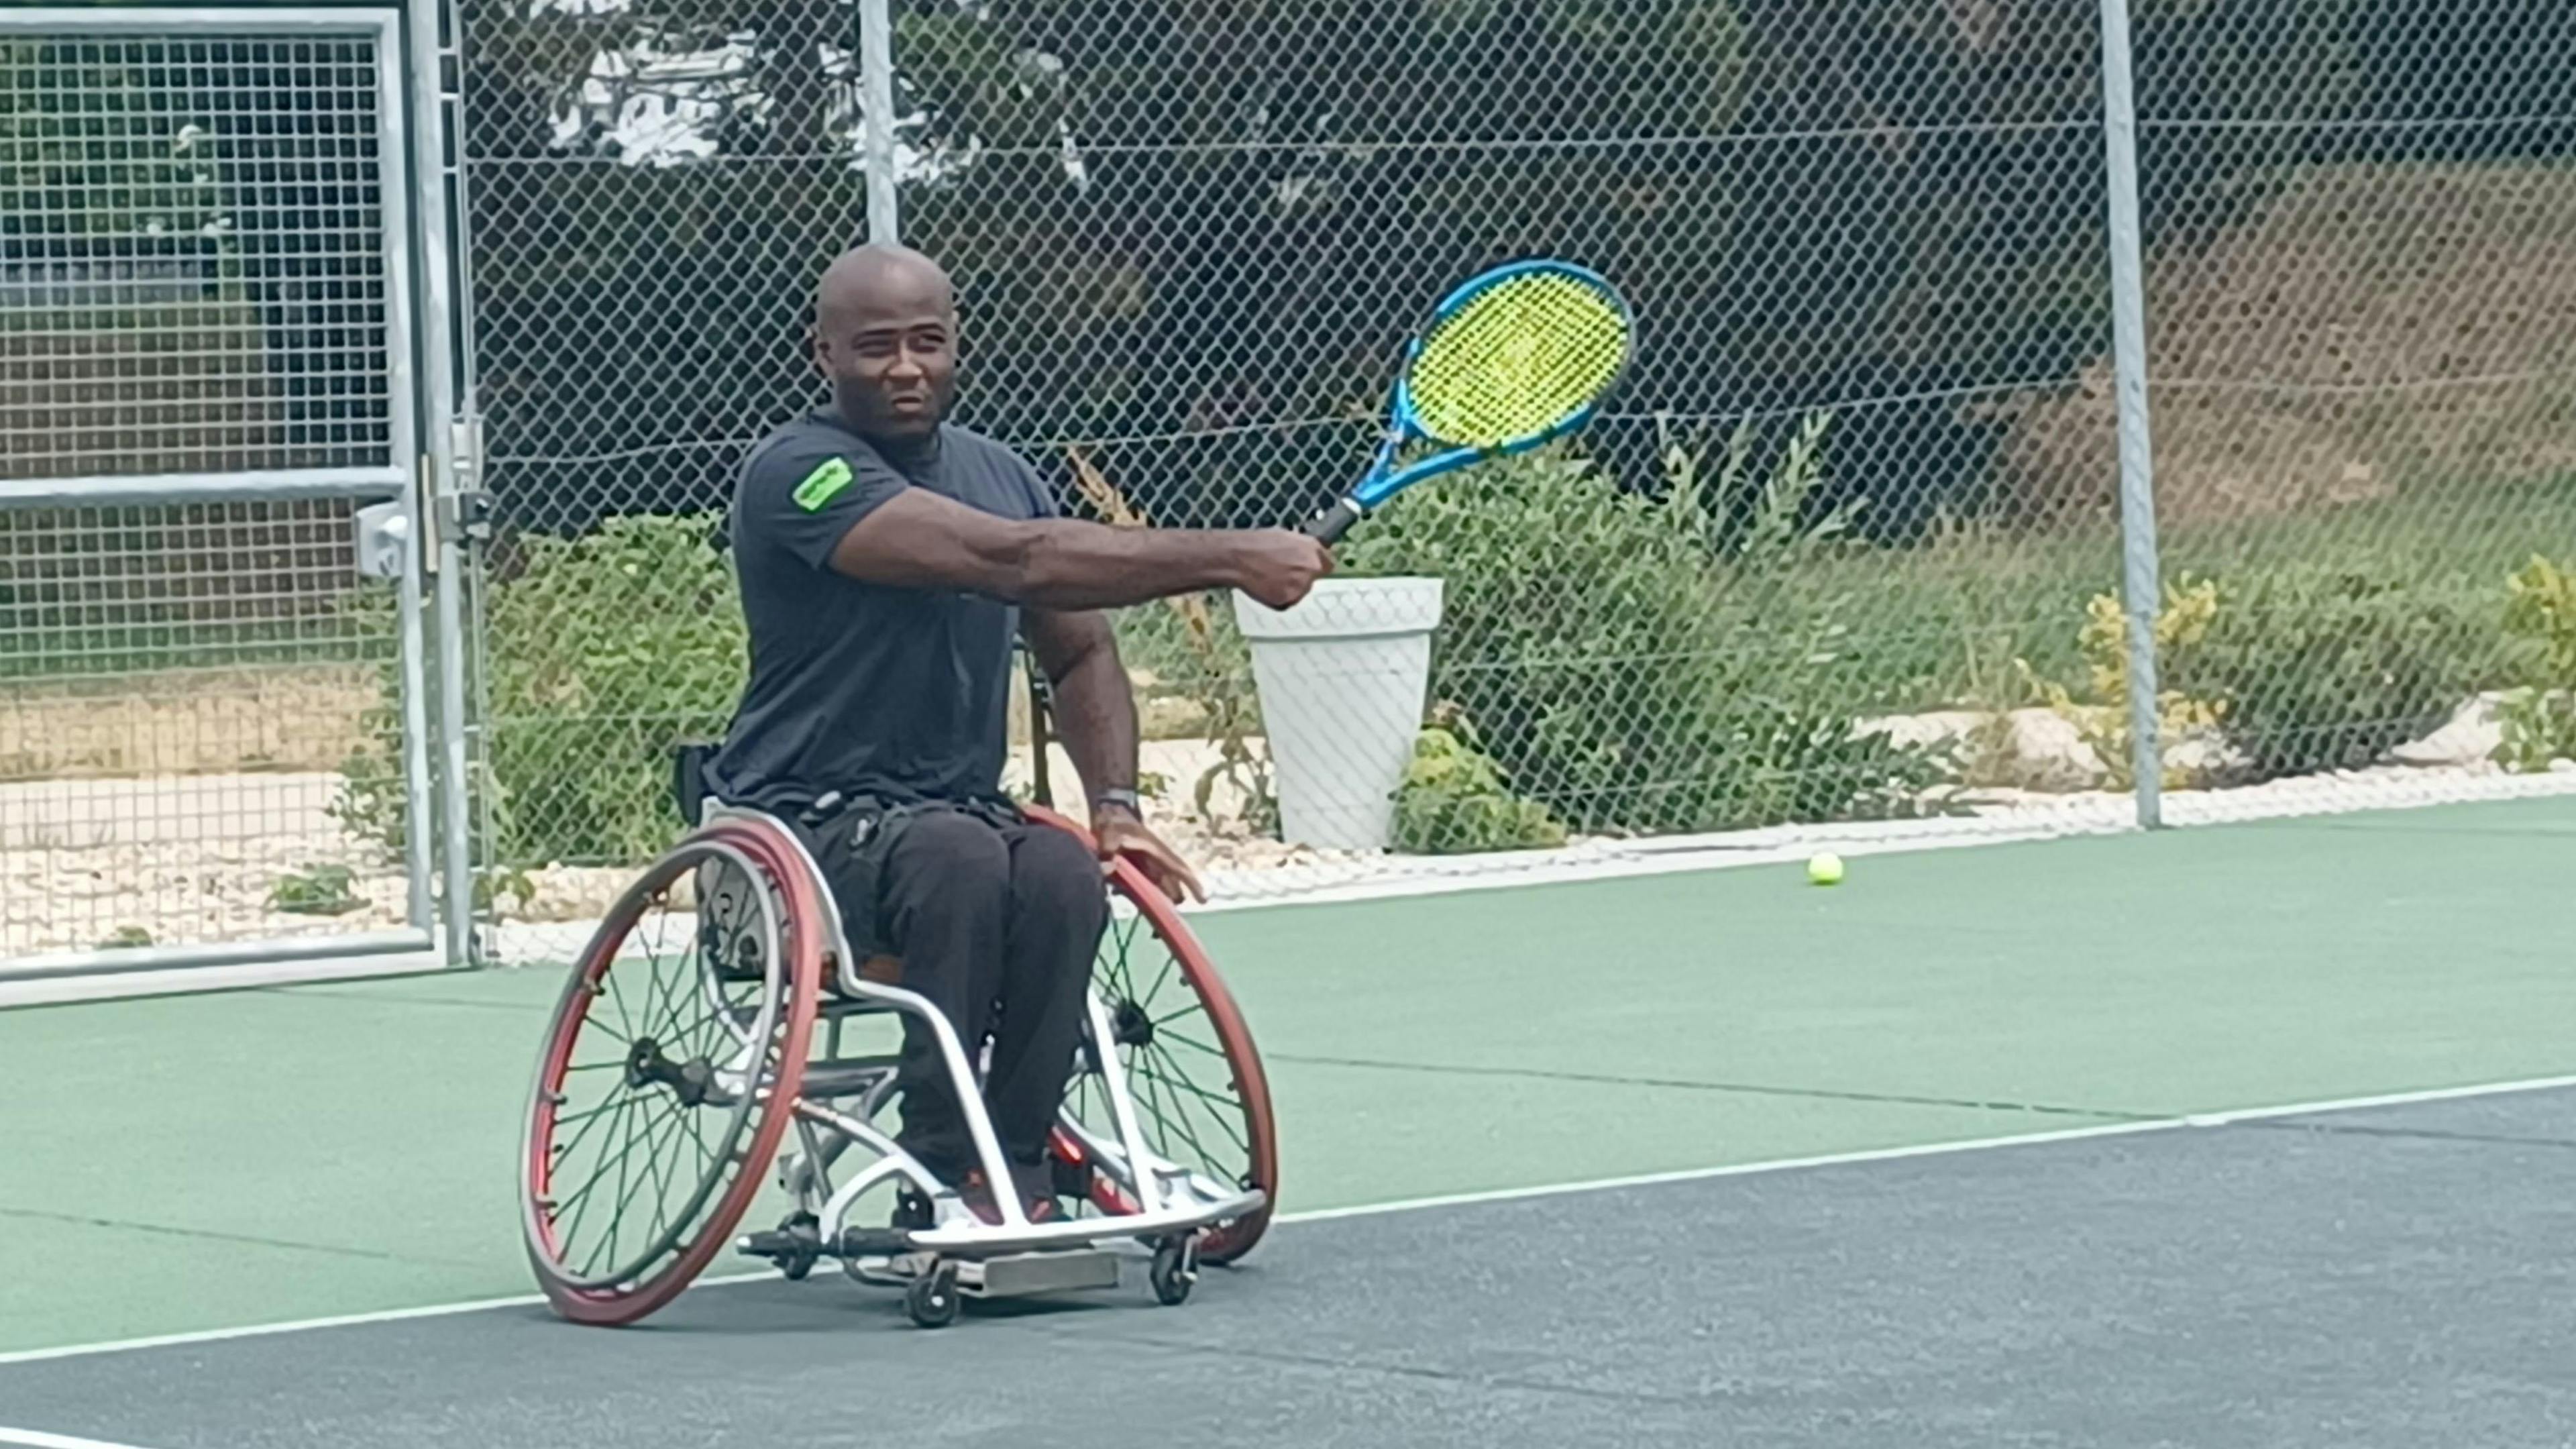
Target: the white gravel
(182, 859)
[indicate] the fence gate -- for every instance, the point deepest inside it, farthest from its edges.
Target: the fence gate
(214, 722)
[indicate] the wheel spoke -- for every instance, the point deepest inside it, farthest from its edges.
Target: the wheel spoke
(1193, 1043)
(1226, 1110)
(564, 1149)
(1178, 1118)
(627, 1180)
(617, 996)
(1155, 990)
(1112, 964)
(579, 1202)
(662, 1178)
(1158, 1040)
(645, 1156)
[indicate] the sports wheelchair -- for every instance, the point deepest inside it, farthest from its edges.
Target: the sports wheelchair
(714, 1012)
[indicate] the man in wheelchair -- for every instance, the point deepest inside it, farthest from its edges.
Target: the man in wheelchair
(888, 560)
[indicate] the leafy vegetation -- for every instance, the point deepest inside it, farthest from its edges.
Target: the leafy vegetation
(1652, 663)
(2102, 716)
(1454, 800)
(2539, 712)
(1693, 658)
(601, 655)
(322, 890)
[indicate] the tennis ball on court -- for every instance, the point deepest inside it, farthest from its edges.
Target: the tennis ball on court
(1825, 869)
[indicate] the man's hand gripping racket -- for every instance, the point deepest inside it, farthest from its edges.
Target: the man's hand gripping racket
(1517, 357)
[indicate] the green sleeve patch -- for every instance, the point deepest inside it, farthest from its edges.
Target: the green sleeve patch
(828, 479)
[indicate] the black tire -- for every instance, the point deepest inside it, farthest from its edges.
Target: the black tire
(933, 1300)
(1175, 1272)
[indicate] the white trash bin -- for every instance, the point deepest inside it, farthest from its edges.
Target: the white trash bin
(1343, 679)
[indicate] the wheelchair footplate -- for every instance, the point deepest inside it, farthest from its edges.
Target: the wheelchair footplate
(1009, 1275)
(939, 1267)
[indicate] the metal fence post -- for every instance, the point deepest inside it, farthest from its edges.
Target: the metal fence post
(2140, 587)
(441, 499)
(876, 101)
(473, 736)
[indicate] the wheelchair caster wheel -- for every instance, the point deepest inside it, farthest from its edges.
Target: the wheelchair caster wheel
(794, 1264)
(1175, 1271)
(932, 1299)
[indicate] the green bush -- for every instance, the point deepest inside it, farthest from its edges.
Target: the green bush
(1454, 801)
(374, 800)
(2539, 712)
(323, 890)
(2184, 620)
(601, 654)
(1643, 664)
(2300, 667)
(2329, 665)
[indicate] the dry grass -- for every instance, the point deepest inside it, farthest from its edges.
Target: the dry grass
(168, 388)
(2367, 330)
(183, 722)
(139, 389)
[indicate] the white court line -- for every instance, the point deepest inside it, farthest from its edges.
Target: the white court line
(1320, 1215)
(37, 1439)
(1933, 1149)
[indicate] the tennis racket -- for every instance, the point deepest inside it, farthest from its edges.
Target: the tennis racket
(1515, 358)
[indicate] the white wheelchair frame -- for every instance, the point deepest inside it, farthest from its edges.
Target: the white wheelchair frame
(960, 1253)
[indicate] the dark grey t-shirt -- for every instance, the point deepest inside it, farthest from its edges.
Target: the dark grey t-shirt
(855, 687)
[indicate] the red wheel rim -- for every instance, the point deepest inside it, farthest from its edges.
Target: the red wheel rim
(577, 1295)
(1251, 1085)
(1242, 1132)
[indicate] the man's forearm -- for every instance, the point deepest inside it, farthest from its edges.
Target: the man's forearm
(919, 539)
(1072, 565)
(1095, 712)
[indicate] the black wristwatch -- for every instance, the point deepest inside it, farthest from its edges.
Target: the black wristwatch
(1127, 800)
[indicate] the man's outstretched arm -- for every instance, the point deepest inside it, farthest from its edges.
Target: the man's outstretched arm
(1095, 713)
(921, 540)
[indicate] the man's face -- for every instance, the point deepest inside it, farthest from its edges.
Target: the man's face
(891, 356)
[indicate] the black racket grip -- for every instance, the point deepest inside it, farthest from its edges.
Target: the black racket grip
(1335, 522)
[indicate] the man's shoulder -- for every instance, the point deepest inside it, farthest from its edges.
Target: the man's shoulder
(982, 447)
(805, 464)
(801, 441)
(1002, 466)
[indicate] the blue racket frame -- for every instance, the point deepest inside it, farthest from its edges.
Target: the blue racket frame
(1404, 421)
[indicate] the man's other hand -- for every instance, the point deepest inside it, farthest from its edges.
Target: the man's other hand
(1124, 837)
(1279, 567)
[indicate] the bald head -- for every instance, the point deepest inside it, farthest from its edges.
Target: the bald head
(885, 337)
(874, 278)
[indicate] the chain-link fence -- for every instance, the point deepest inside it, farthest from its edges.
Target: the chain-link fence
(1203, 243)
(652, 196)
(2363, 367)
(202, 304)
(1844, 559)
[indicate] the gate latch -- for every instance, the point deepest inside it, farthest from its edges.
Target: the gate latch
(382, 533)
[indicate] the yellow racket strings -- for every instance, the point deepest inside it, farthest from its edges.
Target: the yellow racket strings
(1517, 360)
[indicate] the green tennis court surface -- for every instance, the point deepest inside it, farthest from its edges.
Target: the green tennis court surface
(199, 1163)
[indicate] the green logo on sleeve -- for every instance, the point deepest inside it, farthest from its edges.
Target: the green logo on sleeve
(819, 487)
